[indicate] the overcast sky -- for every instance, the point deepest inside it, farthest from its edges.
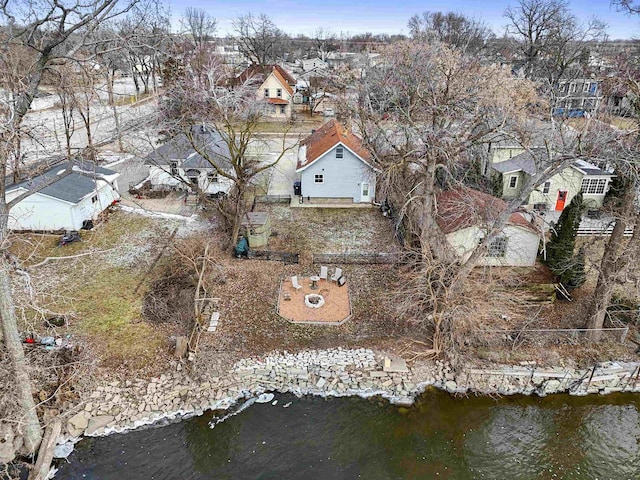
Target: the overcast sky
(384, 16)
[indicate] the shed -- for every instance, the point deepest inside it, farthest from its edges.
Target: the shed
(257, 227)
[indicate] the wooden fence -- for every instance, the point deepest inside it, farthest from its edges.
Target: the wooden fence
(285, 257)
(358, 258)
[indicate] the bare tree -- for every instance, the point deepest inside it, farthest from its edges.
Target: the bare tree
(549, 36)
(621, 151)
(628, 6)
(197, 99)
(424, 112)
(324, 42)
(64, 89)
(51, 30)
(259, 39)
(454, 29)
(200, 25)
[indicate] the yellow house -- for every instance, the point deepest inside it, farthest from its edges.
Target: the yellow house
(557, 192)
(278, 93)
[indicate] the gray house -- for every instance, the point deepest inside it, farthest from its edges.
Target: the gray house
(175, 165)
(334, 167)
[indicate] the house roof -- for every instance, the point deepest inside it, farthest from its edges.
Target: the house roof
(526, 163)
(278, 101)
(464, 207)
(283, 81)
(261, 72)
(71, 188)
(327, 137)
(285, 75)
(523, 162)
(180, 148)
(590, 169)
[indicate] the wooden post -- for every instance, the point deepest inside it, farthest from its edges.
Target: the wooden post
(45, 453)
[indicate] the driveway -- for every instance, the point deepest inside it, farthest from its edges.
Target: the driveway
(284, 173)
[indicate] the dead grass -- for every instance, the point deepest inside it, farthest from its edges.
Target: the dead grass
(97, 297)
(329, 230)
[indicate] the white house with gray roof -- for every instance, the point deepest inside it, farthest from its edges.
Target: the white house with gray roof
(175, 165)
(65, 204)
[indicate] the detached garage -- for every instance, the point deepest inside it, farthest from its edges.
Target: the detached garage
(81, 193)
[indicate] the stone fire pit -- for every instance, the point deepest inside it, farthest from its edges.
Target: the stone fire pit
(314, 300)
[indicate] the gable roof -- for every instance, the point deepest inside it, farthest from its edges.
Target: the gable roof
(180, 148)
(281, 80)
(71, 188)
(523, 162)
(261, 72)
(288, 78)
(464, 207)
(327, 137)
(526, 163)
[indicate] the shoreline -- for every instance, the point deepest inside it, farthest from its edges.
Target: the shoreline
(116, 407)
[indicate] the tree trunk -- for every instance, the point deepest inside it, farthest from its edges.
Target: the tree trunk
(237, 219)
(114, 109)
(614, 261)
(45, 454)
(13, 343)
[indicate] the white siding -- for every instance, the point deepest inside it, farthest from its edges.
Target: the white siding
(342, 177)
(41, 212)
(522, 246)
(161, 176)
(87, 208)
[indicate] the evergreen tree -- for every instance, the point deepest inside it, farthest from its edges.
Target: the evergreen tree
(561, 259)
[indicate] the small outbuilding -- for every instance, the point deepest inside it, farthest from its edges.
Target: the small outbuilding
(257, 228)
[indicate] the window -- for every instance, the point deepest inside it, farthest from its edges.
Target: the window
(94, 199)
(498, 248)
(513, 181)
(593, 87)
(173, 168)
(339, 152)
(573, 87)
(319, 178)
(283, 109)
(585, 87)
(594, 186)
(212, 177)
(266, 93)
(546, 187)
(279, 93)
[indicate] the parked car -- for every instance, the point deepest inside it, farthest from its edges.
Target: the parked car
(329, 112)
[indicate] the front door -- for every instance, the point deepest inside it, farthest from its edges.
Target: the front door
(562, 199)
(365, 196)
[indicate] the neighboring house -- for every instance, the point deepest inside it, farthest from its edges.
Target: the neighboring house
(66, 204)
(557, 192)
(276, 87)
(278, 93)
(313, 63)
(323, 102)
(334, 166)
(577, 97)
(175, 165)
(465, 215)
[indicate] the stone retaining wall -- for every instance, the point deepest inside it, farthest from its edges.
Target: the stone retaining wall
(116, 406)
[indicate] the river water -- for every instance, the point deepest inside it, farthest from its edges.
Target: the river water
(557, 437)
